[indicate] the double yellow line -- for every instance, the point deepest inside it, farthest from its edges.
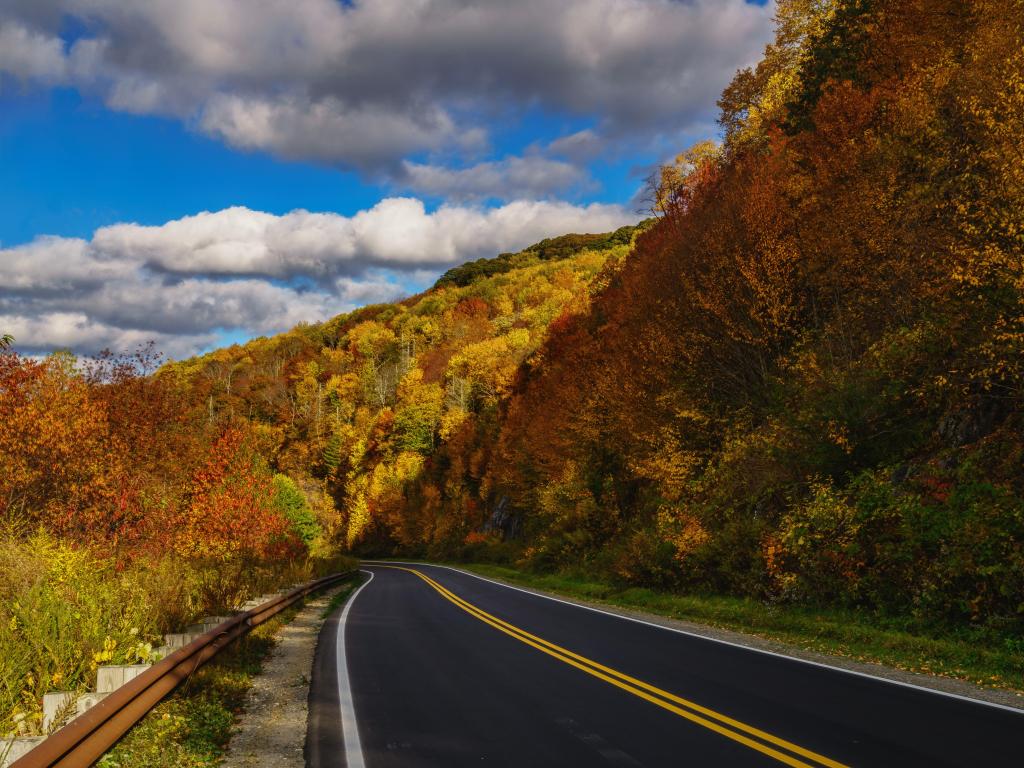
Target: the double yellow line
(765, 743)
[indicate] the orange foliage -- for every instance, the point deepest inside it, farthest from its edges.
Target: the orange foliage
(110, 454)
(228, 511)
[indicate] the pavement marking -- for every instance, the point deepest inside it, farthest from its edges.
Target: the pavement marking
(720, 641)
(703, 716)
(346, 704)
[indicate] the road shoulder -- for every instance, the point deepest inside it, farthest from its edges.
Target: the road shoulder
(271, 731)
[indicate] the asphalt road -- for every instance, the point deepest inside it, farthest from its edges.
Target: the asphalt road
(441, 668)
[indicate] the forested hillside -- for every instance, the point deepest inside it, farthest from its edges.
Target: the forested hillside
(797, 388)
(800, 381)
(803, 382)
(386, 416)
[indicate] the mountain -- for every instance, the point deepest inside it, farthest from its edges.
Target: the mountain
(360, 408)
(801, 381)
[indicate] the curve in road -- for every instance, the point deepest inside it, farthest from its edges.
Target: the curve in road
(444, 668)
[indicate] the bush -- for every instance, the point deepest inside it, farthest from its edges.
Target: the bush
(978, 572)
(857, 546)
(63, 610)
(942, 550)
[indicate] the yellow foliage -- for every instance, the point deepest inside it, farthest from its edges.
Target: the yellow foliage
(358, 517)
(451, 421)
(675, 177)
(683, 530)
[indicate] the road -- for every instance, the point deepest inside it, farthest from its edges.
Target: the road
(442, 668)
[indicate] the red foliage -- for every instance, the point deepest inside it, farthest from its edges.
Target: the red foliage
(110, 455)
(229, 510)
(474, 306)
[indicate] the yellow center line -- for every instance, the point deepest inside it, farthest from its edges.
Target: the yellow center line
(646, 691)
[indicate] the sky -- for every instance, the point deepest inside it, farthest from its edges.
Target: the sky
(199, 172)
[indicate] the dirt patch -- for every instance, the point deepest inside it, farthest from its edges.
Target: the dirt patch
(271, 732)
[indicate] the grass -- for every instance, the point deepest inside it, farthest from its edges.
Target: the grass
(192, 727)
(979, 656)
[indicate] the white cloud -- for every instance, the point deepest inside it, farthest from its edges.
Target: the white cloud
(57, 264)
(371, 83)
(77, 331)
(579, 146)
(371, 291)
(397, 232)
(230, 241)
(196, 305)
(183, 282)
(365, 136)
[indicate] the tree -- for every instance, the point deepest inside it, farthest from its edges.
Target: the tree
(292, 503)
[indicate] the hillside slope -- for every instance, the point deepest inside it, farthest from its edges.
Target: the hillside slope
(805, 382)
(802, 383)
(362, 408)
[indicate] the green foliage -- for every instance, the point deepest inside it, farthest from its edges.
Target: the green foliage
(472, 271)
(837, 53)
(415, 426)
(292, 503)
(564, 246)
(550, 249)
(331, 455)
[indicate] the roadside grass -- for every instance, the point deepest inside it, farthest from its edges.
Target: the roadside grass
(191, 728)
(977, 655)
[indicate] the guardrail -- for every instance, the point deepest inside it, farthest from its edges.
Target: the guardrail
(85, 739)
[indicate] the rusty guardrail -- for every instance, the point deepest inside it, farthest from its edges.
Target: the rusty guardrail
(85, 739)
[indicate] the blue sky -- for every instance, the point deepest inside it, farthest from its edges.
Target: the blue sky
(70, 166)
(197, 172)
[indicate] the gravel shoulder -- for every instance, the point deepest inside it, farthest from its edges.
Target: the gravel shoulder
(271, 731)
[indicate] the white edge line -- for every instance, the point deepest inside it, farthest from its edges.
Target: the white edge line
(764, 651)
(346, 704)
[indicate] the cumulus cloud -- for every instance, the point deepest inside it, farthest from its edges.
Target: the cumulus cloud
(59, 264)
(530, 176)
(366, 136)
(579, 146)
(184, 282)
(397, 233)
(77, 331)
(371, 83)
